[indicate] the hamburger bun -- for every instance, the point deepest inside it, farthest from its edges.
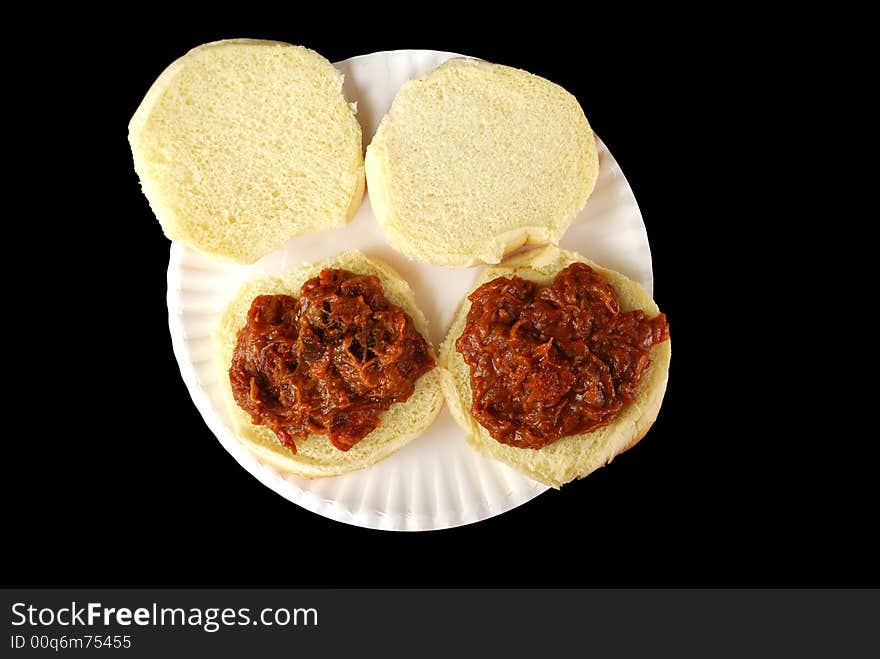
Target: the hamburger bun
(242, 144)
(476, 159)
(316, 457)
(574, 456)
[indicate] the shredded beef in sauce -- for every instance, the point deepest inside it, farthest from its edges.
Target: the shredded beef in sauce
(328, 362)
(554, 361)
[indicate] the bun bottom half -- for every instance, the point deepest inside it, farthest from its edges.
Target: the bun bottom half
(575, 456)
(316, 457)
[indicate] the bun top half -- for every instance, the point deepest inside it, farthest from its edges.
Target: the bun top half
(242, 144)
(476, 159)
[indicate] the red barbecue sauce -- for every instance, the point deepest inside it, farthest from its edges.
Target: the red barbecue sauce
(327, 362)
(554, 361)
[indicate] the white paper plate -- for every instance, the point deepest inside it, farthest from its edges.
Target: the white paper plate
(437, 481)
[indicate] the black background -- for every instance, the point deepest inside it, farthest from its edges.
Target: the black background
(114, 478)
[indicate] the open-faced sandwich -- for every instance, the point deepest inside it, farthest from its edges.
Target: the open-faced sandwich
(554, 365)
(326, 367)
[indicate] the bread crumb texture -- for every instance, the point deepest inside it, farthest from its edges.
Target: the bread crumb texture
(476, 159)
(242, 144)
